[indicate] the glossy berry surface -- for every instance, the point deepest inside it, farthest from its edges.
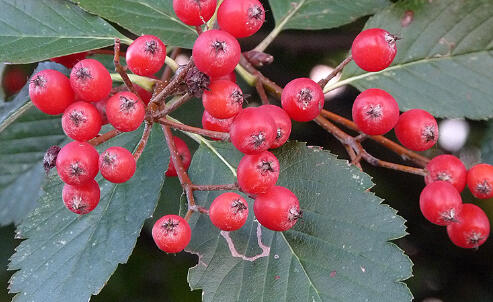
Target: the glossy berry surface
(253, 131)
(183, 153)
(417, 130)
(125, 111)
(77, 163)
(224, 99)
(50, 91)
(480, 181)
(278, 209)
(81, 121)
(146, 55)
(215, 124)
(241, 18)
(81, 199)
(375, 111)
(302, 99)
(171, 233)
(90, 80)
(216, 53)
(69, 61)
(282, 123)
(230, 77)
(374, 49)
(472, 229)
(440, 203)
(447, 168)
(258, 173)
(194, 12)
(117, 164)
(228, 211)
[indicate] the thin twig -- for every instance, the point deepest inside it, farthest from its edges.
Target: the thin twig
(334, 72)
(261, 92)
(172, 106)
(98, 140)
(198, 28)
(224, 136)
(228, 187)
(120, 69)
(143, 140)
(167, 70)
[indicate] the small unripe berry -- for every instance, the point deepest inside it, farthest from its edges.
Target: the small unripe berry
(302, 99)
(117, 164)
(229, 211)
(81, 199)
(171, 233)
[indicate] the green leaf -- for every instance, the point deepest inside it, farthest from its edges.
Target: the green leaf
(443, 62)
(68, 257)
(154, 17)
(321, 14)
(35, 30)
(337, 252)
(21, 162)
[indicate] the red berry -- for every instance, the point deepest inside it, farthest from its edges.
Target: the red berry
(215, 124)
(229, 211)
(146, 55)
(447, 168)
(374, 49)
(171, 233)
(13, 80)
(473, 227)
(230, 76)
(223, 99)
(77, 163)
(90, 80)
(417, 130)
(216, 53)
(81, 121)
(440, 203)
(282, 122)
(278, 209)
(117, 164)
(253, 131)
(81, 199)
(125, 111)
(241, 18)
(50, 91)
(302, 99)
(375, 111)
(258, 173)
(194, 12)
(144, 95)
(101, 107)
(480, 181)
(183, 153)
(70, 60)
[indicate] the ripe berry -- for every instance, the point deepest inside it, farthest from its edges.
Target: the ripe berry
(13, 80)
(194, 12)
(90, 80)
(278, 209)
(146, 55)
(302, 99)
(374, 49)
(81, 121)
(125, 111)
(473, 227)
(50, 91)
(241, 18)
(171, 233)
(375, 111)
(282, 123)
(117, 164)
(216, 53)
(223, 99)
(229, 211)
(480, 181)
(77, 163)
(258, 173)
(230, 76)
(101, 107)
(417, 130)
(215, 124)
(144, 95)
(70, 60)
(447, 168)
(183, 153)
(253, 131)
(81, 199)
(440, 203)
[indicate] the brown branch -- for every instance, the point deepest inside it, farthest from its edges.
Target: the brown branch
(104, 137)
(224, 136)
(261, 92)
(170, 107)
(334, 72)
(143, 140)
(120, 69)
(228, 187)
(198, 28)
(167, 70)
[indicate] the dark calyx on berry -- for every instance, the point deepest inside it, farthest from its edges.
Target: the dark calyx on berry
(77, 118)
(305, 96)
(258, 139)
(429, 133)
(219, 46)
(374, 112)
(49, 159)
(294, 214)
(169, 225)
(76, 170)
(39, 81)
(238, 206)
(126, 104)
(151, 46)
(83, 73)
(265, 166)
(237, 96)
(255, 12)
(483, 187)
